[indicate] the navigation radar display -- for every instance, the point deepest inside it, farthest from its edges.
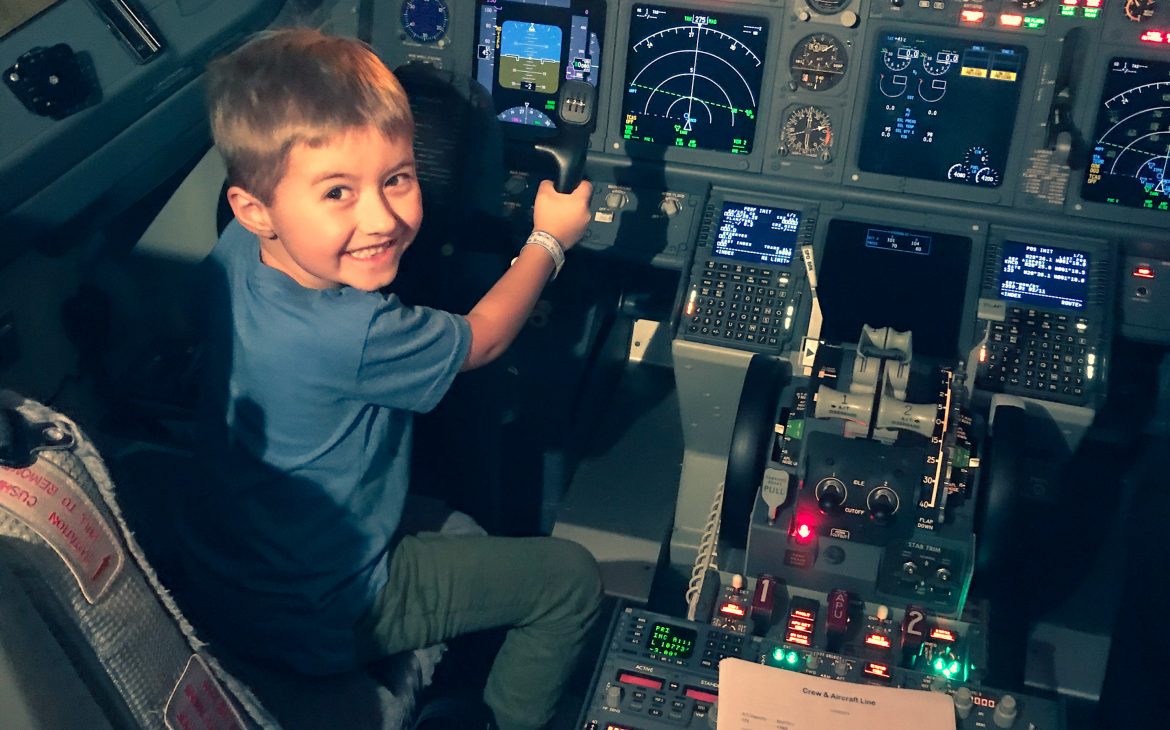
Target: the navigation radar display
(1131, 156)
(942, 109)
(526, 48)
(693, 78)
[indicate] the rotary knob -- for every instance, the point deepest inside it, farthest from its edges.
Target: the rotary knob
(616, 199)
(1006, 712)
(963, 703)
(669, 207)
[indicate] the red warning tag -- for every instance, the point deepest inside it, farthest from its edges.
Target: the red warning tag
(54, 506)
(199, 703)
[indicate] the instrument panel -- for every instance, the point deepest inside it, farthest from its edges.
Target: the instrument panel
(1048, 106)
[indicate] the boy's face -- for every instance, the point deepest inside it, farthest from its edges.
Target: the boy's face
(344, 213)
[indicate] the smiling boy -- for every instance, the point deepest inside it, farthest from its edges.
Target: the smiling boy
(314, 373)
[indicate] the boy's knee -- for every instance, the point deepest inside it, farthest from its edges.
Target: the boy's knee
(579, 573)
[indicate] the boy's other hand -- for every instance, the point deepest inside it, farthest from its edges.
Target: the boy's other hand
(565, 216)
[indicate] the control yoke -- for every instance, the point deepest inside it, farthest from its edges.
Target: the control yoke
(577, 112)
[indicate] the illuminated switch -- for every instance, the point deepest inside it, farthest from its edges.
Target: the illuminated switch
(802, 621)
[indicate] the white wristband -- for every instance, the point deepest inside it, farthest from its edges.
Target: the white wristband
(549, 243)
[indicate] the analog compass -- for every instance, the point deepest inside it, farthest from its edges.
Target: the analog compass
(807, 132)
(425, 20)
(818, 62)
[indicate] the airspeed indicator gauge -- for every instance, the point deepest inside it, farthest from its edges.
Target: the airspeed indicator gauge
(818, 62)
(807, 132)
(425, 20)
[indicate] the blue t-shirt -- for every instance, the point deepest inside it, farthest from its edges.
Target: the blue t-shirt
(306, 439)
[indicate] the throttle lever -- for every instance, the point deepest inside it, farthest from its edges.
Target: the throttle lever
(577, 111)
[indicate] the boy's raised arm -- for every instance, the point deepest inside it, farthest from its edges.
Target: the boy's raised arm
(498, 316)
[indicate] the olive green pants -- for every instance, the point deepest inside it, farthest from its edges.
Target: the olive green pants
(545, 591)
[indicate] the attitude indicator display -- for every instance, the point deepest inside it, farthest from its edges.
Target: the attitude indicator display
(942, 109)
(1129, 163)
(693, 78)
(525, 49)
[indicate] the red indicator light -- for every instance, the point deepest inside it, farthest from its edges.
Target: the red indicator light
(974, 16)
(1010, 20)
(732, 609)
(796, 624)
(1092, 3)
(797, 637)
(1152, 36)
(880, 640)
(803, 531)
(873, 669)
(640, 680)
(701, 695)
(803, 613)
(1143, 271)
(1069, 2)
(942, 634)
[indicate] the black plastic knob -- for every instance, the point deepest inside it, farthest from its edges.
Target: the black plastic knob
(830, 495)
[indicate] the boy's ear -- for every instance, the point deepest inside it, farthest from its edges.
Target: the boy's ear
(250, 212)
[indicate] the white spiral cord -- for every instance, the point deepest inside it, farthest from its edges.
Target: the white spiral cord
(707, 555)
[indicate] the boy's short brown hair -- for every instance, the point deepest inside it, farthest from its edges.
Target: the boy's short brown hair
(296, 86)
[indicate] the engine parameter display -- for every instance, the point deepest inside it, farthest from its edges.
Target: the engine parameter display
(757, 233)
(1129, 163)
(1046, 276)
(941, 109)
(693, 78)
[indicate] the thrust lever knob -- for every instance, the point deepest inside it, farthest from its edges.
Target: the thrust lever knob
(1006, 712)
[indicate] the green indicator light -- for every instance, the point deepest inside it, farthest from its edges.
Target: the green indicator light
(1033, 23)
(1066, 10)
(1092, 12)
(792, 658)
(778, 653)
(939, 664)
(550, 104)
(795, 429)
